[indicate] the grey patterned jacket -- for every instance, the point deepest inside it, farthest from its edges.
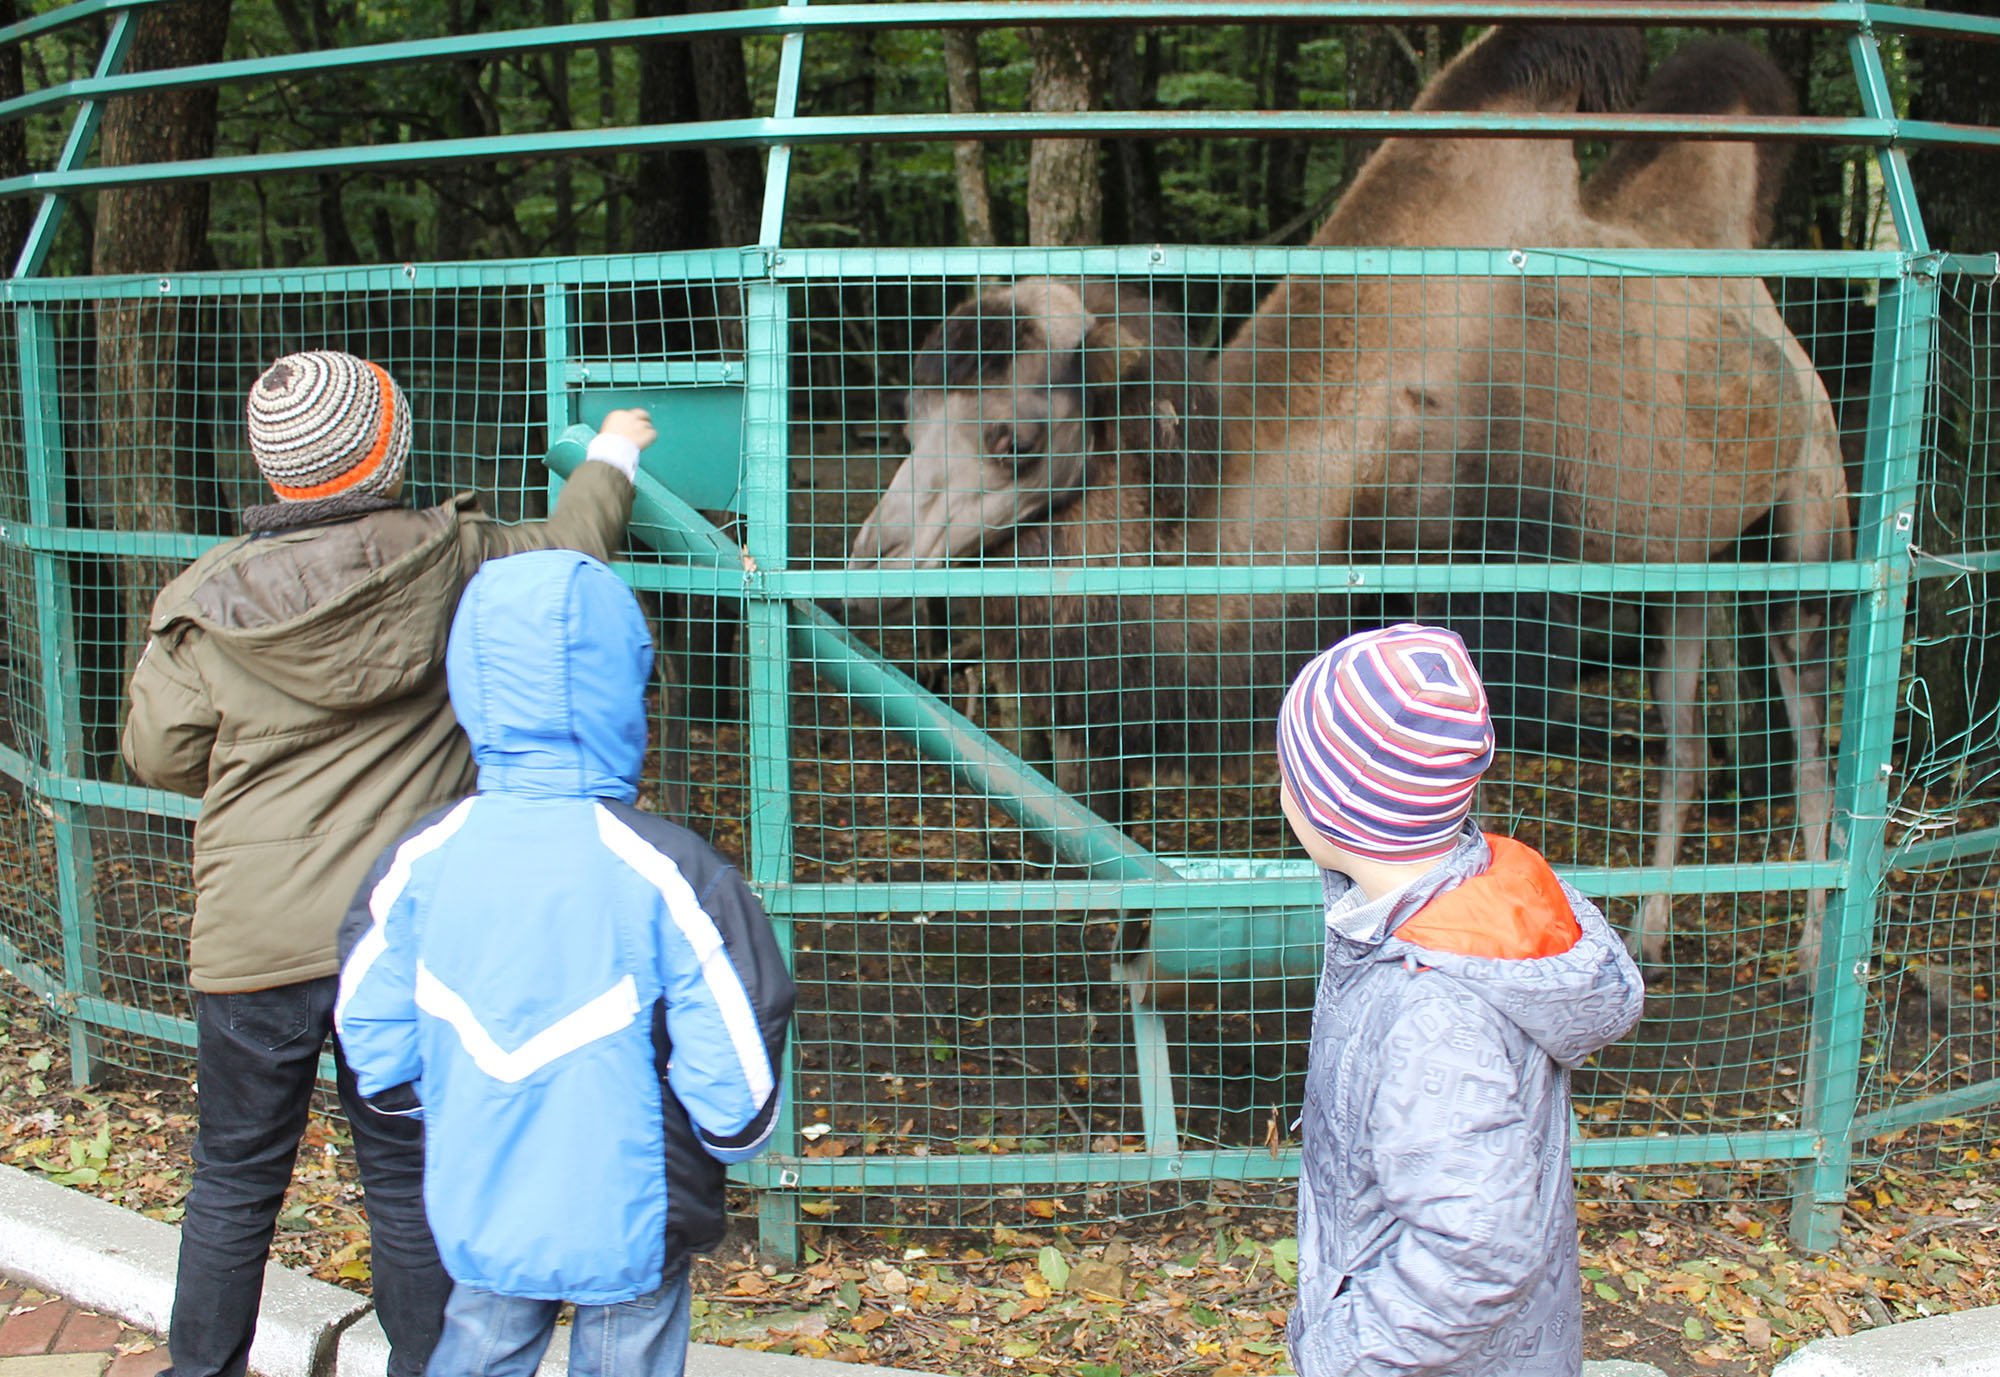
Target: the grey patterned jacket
(1437, 1218)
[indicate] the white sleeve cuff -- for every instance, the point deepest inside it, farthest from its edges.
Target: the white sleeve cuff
(615, 450)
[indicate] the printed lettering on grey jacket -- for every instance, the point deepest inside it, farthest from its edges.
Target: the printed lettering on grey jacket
(1437, 1217)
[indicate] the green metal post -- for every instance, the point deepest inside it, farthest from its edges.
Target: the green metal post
(61, 684)
(1879, 103)
(555, 359)
(1906, 320)
(555, 371)
(778, 171)
(767, 632)
(82, 134)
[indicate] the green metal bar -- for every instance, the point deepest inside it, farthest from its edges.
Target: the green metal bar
(699, 266)
(766, 487)
(44, 986)
(1983, 841)
(557, 363)
(1966, 1099)
(1986, 265)
(969, 264)
(1007, 580)
(818, 264)
(995, 126)
(63, 18)
(93, 793)
(798, 19)
(1877, 101)
(61, 688)
(1112, 891)
(82, 136)
(1906, 321)
(165, 1027)
(653, 372)
(1153, 1068)
(1220, 1164)
(778, 170)
(944, 735)
(165, 545)
(1010, 580)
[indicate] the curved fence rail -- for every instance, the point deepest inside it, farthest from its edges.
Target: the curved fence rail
(1053, 946)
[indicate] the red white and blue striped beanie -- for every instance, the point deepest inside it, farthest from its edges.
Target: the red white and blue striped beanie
(1382, 740)
(325, 425)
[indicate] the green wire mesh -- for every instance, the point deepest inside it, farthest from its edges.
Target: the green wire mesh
(1006, 1013)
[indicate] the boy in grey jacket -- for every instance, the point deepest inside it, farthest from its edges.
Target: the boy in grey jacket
(1463, 981)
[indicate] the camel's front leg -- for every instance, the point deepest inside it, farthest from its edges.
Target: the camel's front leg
(1798, 654)
(1677, 691)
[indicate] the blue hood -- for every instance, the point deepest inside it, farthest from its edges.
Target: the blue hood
(547, 663)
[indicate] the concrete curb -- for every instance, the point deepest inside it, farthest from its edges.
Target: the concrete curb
(1966, 1344)
(122, 1264)
(111, 1260)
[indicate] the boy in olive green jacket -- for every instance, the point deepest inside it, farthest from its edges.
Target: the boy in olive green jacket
(294, 682)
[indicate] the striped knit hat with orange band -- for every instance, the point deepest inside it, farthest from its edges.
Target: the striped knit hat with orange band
(330, 433)
(1382, 740)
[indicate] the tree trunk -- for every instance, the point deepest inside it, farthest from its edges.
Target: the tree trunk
(607, 118)
(1065, 190)
(694, 198)
(147, 471)
(722, 92)
(556, 12)
(1135, 213)
(961, 80)
(1284, 159)
(670, 202)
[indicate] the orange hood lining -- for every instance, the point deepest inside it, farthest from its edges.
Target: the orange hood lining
(1515, 911)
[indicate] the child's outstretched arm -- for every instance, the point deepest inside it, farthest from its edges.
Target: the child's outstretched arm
(595, 504)
(1459, 1165)
(375, 1016)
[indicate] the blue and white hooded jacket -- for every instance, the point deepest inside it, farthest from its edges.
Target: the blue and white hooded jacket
(587, 1000)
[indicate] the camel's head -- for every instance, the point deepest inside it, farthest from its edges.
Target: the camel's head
(999, 424)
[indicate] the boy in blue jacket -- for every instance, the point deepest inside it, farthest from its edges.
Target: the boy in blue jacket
(586, 1002)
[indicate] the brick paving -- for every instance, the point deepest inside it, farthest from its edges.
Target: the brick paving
(45, 1336)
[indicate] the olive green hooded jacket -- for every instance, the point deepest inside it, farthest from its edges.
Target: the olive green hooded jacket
(294, 682)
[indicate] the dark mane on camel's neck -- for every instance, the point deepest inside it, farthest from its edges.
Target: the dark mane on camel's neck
(1711, 76)
(1583, 67)
(979, 345)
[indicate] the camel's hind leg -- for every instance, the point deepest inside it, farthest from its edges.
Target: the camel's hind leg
(1677, 691)
(1798, 653)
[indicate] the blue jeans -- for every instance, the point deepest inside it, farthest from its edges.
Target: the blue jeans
(489, 1335)
(257, 1059)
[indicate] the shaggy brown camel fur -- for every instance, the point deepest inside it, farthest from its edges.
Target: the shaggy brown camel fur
(1601, 417)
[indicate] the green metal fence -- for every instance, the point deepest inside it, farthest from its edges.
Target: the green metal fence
(1010, 1007)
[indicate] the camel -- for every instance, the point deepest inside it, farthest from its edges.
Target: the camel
(1603, 418)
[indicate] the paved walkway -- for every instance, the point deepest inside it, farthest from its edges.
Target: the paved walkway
(45, 1336)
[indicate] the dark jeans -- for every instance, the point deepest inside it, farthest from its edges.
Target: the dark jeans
(257, 1058)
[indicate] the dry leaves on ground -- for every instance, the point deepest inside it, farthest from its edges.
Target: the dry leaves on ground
(1693, 1287)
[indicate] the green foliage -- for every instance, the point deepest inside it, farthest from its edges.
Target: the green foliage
(878, 192)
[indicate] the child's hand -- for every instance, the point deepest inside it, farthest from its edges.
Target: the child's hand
(634, 425)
